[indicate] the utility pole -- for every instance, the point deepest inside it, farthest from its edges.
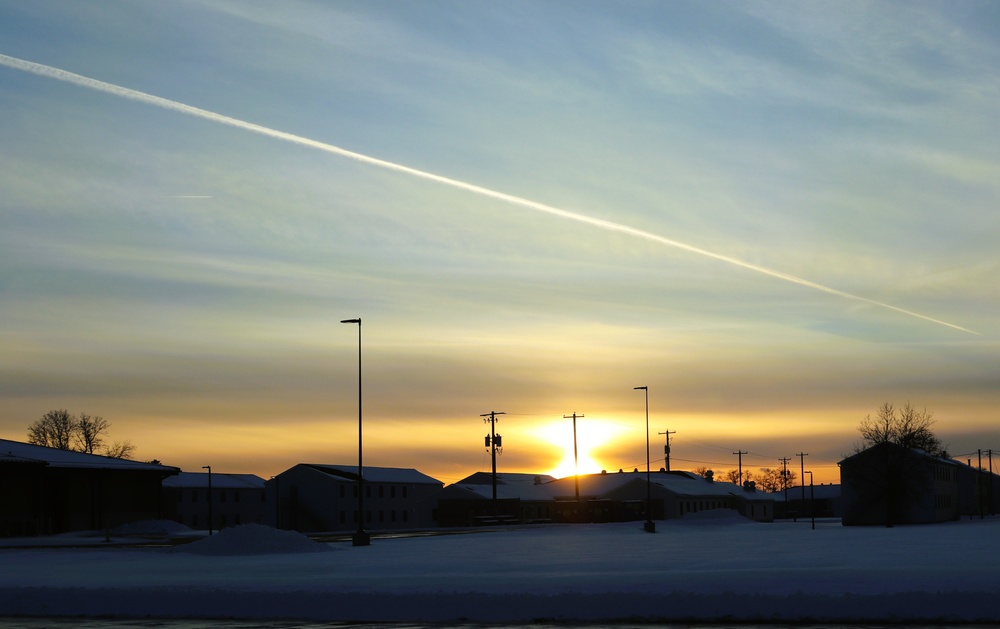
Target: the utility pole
(493, 441)
(980, 492)
(990, 454)
(784, 477)
(740, 453)
(576, 462)
(802, 478)
(666, 447)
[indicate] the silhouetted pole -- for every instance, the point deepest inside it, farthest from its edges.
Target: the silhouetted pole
(784, 477)
(812, 499)
(491, 443)
(990, 488)
(650, 526)
(740, 454)
(361, 538)
(802, 468)
(666, 448)
(576, 462)
(209, 468)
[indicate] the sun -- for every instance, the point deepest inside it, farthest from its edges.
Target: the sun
(591, 437)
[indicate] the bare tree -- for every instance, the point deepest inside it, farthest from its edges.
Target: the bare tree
(55, 429)
(888, 476)
(90, 431)
(905, 427)
(733, 476)
(772, 480)
(86, 433)
(120, 450)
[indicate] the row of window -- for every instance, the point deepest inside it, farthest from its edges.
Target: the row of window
(368, 491)
(693, 506)
(944, 473)
(943, 501)
(218, 494)
(368, 516)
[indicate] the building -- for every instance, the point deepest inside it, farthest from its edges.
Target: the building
(46, 490)
(234, 499)
(315, 498)
(616, 497)
(888, 484)
(803, 501)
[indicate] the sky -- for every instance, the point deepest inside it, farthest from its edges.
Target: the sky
(775, 216)
(703, 567)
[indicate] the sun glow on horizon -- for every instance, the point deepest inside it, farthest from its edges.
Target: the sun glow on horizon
(593, 437)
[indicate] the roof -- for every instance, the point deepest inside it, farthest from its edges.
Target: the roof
(18, 452)
(598, 485)
(377, 474)
(199, 480)
(506, 478)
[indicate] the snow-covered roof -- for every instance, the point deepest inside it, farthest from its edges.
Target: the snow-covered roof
(199, 480)
(16, 451)
(597, 485)
(506, 478)
(378, 474)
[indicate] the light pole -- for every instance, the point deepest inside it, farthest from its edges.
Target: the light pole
(812, 506)
(361, 538)
(209, 468)
(649, 526)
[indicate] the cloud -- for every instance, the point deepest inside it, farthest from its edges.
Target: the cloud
(62, 75)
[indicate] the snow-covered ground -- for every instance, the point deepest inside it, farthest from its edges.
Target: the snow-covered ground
(696, 569)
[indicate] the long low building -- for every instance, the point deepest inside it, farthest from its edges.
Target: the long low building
(604, 497)
(47, 490)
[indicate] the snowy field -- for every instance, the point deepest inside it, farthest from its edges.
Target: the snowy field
(711, 568)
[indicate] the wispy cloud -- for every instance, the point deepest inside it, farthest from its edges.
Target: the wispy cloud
(83, 81)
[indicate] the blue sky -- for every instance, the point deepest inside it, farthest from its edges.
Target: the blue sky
(185, 279)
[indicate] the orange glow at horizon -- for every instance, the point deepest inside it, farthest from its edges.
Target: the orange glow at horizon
(592, 438)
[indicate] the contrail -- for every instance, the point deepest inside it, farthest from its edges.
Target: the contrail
(124, 92)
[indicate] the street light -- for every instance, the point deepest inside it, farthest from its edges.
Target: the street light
(649, 526)
(209, 468)
(361, 538)
(812, 496)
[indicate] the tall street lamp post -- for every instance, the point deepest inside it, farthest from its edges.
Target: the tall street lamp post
(360, 538)
(209, 468)
(649, 526)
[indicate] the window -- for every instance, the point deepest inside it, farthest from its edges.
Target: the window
(392, 515)
(194, 495)
(368, 491)
(381, 491)
(222, 496)
(236, 496)
(404, 491)
(392, 491)
(343, 491)
(381, 516)
(404, 516)
(354, 491)
(343, 517)
(368, 516)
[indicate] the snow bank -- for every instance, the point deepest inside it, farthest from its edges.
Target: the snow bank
(782, 572)
(253, 539)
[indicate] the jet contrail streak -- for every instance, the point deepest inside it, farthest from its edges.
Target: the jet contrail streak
(124, 92)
